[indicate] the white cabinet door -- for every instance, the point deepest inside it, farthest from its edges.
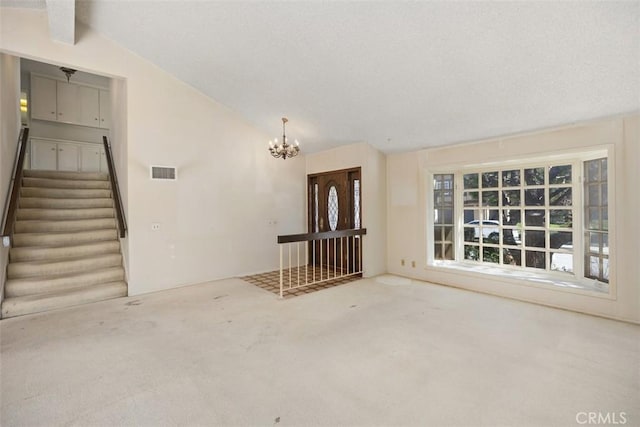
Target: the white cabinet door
(105, 109)
(88, 106)
(44, 155)
(43, 98)
(90, 158)
(67, 157)
(68, 100)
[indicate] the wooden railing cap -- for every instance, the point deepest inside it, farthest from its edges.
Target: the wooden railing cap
(307, 237)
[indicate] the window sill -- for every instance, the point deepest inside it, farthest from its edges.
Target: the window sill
(558, 282)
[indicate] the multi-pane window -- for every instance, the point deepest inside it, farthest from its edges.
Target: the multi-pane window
(443, 216)
(534, 217)
(520, 217)
(596, 243)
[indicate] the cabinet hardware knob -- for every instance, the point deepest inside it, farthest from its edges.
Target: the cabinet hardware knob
(95, 118)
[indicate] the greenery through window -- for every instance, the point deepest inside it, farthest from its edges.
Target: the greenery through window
(443, 216)
(527, 217)
(596, 214)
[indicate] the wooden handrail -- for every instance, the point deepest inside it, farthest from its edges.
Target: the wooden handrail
(306, 237)
(122, 224)
(13, 192)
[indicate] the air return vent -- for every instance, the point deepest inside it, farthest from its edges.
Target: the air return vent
(166, 173)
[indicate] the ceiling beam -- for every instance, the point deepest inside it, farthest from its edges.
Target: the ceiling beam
(62, 20)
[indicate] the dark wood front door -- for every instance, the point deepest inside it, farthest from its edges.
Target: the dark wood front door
(334, 204)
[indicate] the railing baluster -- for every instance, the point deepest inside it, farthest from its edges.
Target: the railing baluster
(351, 247)
(348, 259)
(328, 266)
(342, 256)
(298, 262)
(289, 266)
(335, 263)
(359, 254)
(355, 255)
(281, 284)
(321, 260)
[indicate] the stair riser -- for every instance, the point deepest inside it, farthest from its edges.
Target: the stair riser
(20, 270)
(48, 203)
(21, 240)
(63, 226)
(99, 176)
(50, 254)
(65, 183)
(61, 193)
(23, 287)
(12, 307)
(63, 214)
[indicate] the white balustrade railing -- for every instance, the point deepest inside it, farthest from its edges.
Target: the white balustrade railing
(307, 259)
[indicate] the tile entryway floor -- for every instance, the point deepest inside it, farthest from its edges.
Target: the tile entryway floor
(270, 281)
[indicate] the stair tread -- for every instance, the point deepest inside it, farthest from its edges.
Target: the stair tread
(33, 221)
(85, 184)
(54, 268)
(66, 260)
(66, 225)
(33, 253)
(73, 275)
(62, 293)
(27, 202)
(46, 284)
(63, 238)
(77, 246)
(65, 193)
(98, 176)
(29, 304)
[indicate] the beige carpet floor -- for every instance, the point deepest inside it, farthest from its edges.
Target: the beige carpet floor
(382, 352)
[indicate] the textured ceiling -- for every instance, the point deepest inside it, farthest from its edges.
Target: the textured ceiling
(397, 75)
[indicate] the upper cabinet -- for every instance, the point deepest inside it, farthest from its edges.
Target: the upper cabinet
(43, 98)
(105, 109)
(71, 103)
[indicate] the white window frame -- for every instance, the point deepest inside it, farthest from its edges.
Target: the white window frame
(574, 282)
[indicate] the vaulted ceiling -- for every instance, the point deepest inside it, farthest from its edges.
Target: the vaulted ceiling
(399, 75)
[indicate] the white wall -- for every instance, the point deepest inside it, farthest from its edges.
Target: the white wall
(408, 203)
(214, 218)
(374, 196)
(9, 132)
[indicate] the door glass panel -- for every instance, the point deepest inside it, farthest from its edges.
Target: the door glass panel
(315, 196)
(332, 208)
(356, 203)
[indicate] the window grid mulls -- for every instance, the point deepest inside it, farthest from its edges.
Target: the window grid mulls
(596, 223)
(443, 229)
(520, 217)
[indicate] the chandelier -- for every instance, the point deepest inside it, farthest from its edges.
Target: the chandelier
(284, 150)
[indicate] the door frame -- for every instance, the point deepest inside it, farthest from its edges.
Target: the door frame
(311, 206)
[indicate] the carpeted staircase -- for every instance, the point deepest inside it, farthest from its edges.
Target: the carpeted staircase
(65, 247)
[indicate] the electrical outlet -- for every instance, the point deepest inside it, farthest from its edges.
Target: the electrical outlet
(402, 262)
(155, 226)
(413, 264)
